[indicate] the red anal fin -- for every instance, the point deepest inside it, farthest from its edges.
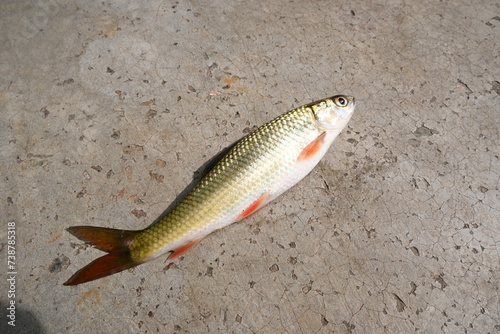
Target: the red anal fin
(310, 150)
(183, 249)
(104, 266)
(256, 205)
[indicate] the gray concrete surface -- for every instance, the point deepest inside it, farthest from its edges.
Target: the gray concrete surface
(108, 107)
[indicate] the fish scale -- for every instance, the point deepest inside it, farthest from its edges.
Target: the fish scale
(257, 169)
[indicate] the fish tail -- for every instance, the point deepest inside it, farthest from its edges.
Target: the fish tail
(115, 242)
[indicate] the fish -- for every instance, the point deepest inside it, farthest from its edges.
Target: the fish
(255, 170)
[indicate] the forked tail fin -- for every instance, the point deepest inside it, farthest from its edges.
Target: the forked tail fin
(115, 242)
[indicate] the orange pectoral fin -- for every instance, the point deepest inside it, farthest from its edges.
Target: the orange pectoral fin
(310, 150)
(256, 205)
(183, 249)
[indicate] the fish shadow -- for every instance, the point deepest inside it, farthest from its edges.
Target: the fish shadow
(25, 320)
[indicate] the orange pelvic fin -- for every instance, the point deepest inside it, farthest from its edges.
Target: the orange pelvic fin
(183, 249)
(254, 207)
(109, 240)
(310, 150)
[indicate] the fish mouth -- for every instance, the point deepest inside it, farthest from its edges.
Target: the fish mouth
(353, 100)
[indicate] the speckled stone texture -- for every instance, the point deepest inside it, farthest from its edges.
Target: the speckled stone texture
(108, 107)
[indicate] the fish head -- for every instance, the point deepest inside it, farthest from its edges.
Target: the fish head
(334, 112)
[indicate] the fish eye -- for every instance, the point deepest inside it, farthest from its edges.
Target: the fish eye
(340, 101)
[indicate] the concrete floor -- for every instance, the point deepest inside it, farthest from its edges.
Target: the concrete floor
(108, 107)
